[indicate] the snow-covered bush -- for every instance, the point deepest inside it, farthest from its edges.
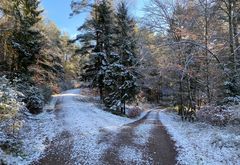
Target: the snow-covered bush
(10, 101)
(232, 100)
(35, 100)
(234, 112)
(33, 97)
(46, 91)
(10, 122)
(214, 115)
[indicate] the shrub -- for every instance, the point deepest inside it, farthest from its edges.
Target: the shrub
(10, 101)
(219, 115)
(231, 100)
(33, 97)
(10, 105)
(46, 91)
(56, 89)
(134, 112)
(34, 100)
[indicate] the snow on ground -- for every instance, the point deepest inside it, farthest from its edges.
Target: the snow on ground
(201, 143)
(36, 131)
(142, 133)
(130, 155)
(85, 122)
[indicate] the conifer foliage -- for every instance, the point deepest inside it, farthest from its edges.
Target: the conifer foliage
(33, 51)
(107, 37)
(26, 40)
(122, 72)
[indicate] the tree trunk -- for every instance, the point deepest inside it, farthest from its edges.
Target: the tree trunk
(124, 107)
(101, 93)
(235, 31)
(206, 52)
(231, 38)
(181, 98)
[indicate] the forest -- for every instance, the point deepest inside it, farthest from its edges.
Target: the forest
(178, 64)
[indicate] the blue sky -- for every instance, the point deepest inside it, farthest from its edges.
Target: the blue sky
(59, 10)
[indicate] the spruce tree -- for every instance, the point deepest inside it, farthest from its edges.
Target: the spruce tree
(125, 36)
(121, 73)
(26, 39)
(96, 39)
(109, 41)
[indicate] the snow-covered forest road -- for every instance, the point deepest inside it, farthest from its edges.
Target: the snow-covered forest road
(92, 136)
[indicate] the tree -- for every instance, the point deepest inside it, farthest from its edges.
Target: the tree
(109, 42)
(122, 72)
(229, 11)
(6, 31)
(97, 44)
(49, 63)
(26, 39)
(188, 33)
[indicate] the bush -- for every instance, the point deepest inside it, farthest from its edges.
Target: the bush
(56, 89)
(231, 100)
(34, 100)
(134, 112)
(33, 97)
(10, 101)
(10, 106)
(219, 115)
(46, 91)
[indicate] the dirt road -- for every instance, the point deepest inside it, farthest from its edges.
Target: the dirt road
(91, 136)
(159, 148)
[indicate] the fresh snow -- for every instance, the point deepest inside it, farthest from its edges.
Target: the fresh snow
(89, 127)
(142, 133)
(35, 132)
(130, 155)
(201, 143)
(83, 120)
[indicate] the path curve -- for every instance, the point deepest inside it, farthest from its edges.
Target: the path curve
(154, 146)
(158, 150)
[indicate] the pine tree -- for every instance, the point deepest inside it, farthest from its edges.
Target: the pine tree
(121, 74)
(110, 44)
(97, 44)
(125, 40)
(26, 40)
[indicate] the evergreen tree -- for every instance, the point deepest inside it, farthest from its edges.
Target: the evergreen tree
(97, 43)
(26, 39)
(110, 44)
(125, 36)
(122, 73)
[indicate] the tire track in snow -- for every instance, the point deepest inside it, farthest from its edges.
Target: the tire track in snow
(123, 139)
(133, 145)
(160, 147)
(59, 150)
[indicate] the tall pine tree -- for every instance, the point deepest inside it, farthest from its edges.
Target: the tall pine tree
(121, 77)
(96, 38)
(26, 39)
(109, 41)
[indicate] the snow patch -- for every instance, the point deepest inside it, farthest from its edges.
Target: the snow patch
(201, 143)
(86, 123)
(142, 133)
(130, 155)
(34, 135)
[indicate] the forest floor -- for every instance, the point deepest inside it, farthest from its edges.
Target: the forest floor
(92, 136)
